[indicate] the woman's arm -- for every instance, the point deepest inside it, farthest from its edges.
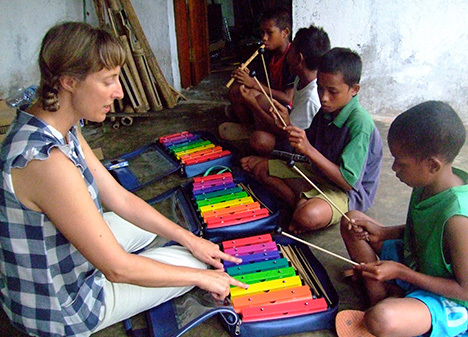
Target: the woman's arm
(135, 210)
(55, 187)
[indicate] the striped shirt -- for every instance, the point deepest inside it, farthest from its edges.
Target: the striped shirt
(47, 288)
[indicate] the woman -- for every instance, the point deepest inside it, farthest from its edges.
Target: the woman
(67, 269)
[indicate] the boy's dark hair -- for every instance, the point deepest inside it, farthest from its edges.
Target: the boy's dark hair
(429, 129)
(312, 43)
(344, 61)
(280, 15)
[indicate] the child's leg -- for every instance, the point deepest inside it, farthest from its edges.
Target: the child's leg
(238, 105)
(363, 251)
(399, 317)
(311, 214)
(262, 142)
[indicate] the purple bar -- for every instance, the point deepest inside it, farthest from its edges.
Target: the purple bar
(246, 259)
(214, 188)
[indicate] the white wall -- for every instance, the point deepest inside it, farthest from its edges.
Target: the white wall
(412, 51)
(23, 24)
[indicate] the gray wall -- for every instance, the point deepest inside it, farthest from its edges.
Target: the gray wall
(412, 51)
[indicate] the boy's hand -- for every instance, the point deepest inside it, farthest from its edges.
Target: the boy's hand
(283, 111)
(380, 270)
(298, 139)
(365, 229)
(242, 76)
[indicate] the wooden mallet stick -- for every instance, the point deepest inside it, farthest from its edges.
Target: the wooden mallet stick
(252, 74)
(262, 51)
(280, 231)
(292, 165)
(244, 65)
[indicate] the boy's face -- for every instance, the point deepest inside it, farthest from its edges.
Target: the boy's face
(410, 170)
(294, 59)
(334, 93)
(272, 36)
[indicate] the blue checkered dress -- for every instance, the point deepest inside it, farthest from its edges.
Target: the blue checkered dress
(47, 288)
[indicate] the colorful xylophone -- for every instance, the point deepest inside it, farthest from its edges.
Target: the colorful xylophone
(191, 149)
(221, 202)
(275, 291)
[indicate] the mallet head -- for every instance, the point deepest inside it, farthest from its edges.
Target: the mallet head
(253, 73)
(290, 163)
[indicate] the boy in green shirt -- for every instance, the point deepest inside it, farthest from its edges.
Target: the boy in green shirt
(416, 275)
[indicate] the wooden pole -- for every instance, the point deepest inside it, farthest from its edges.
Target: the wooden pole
(163, 87)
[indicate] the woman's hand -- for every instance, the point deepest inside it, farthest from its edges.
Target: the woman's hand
(218, 283)
(209, 252)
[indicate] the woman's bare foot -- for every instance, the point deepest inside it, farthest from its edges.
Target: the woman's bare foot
(248, 163)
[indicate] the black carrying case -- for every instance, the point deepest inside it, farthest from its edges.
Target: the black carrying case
(176, 317)
(152, 162)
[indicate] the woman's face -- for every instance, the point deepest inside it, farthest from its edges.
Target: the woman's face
(92, 97)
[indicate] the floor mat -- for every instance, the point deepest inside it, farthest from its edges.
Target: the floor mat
(350, 323)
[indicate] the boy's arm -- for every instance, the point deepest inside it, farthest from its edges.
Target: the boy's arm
(456, 243)
(298, 139)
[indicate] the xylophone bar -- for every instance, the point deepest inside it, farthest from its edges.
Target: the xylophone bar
(207, 157)
(230, 210)
(273, 255)
(257, 267)
(238, 218)
(284, 310)
(252, 249)
(257, 288)
(210, 177)
(267, 275)
(278, 296)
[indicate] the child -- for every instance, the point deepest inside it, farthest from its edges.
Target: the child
(418, 281)
(303, 58)
(275, 26)
(343, 147)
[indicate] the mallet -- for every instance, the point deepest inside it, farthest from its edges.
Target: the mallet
(261, 51)
(253, 75)
(293, 165)
(280, 231)
(244, 65)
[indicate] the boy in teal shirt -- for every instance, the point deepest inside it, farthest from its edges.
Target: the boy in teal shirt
(416, 275)
(343, 148)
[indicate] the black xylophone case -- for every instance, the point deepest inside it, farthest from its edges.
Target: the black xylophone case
(176, 317)
(150, 163)
(184, 213)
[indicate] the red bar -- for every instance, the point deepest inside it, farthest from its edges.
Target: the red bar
(208, 157)
(237, 216)
(212, 177)
(174, 135)
(247, 241)
(283, 310)
(252, 249)
(201, 185)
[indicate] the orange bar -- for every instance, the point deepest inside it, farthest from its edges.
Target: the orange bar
(278, 296)
(231, 210)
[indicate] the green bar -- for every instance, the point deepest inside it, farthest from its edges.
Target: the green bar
(214, 194)
(221, 198)
(267, 275)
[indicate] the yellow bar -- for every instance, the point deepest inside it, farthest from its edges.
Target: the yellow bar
(256, 288)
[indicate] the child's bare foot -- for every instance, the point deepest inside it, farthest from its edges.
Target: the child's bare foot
(296, 229)
(248, 163)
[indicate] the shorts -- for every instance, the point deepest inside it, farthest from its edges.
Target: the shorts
(448, 317)
(279, 169)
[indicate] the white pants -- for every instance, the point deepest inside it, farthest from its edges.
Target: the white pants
(123, 300)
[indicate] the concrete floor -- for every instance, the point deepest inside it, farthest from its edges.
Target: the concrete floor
(204, 110)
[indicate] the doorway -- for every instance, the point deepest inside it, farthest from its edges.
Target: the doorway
(217, 35)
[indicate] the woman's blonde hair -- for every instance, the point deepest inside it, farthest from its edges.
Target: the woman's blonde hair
(75, 49)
